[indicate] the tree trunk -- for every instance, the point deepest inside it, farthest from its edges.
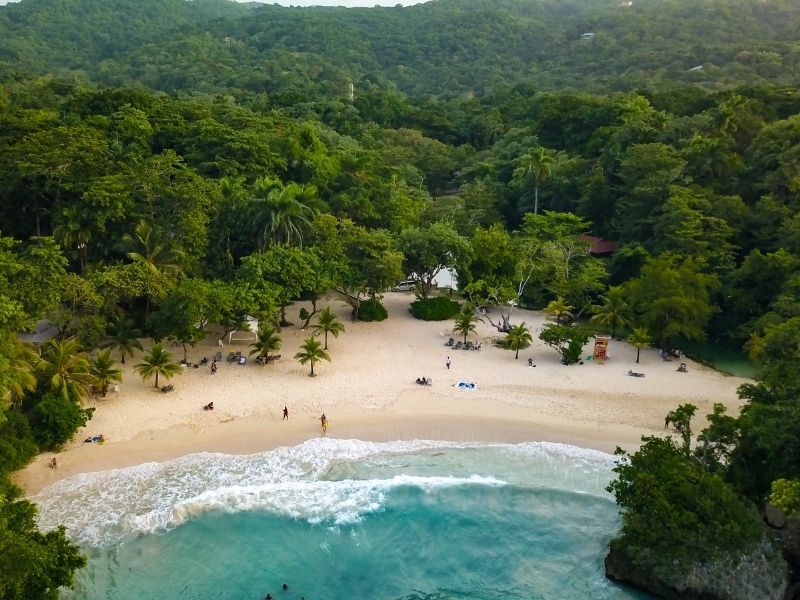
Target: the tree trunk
(536, 199)
(326, 339)
(185, 361)
(156, 378)
(105, 389)
(516, 356)
(122, 356)
(638, 350)
(312, 369)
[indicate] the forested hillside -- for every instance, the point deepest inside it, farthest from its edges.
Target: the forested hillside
(443, 47)
(483, 135)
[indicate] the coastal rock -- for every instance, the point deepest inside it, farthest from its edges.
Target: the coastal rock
(789, 539)
(762, 573)
(774, 516)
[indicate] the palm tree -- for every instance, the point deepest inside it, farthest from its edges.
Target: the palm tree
(559, 309)
(519, 338)
(614, 311)
(465, 321)
(641, 339)
(104, 371)
(157, 362)
(328, 322)
(311, 351)
(20, 376)
(268, 341)
(123, 335)
(285, 216)
(66, 370)
(148, 247)
(539, 163)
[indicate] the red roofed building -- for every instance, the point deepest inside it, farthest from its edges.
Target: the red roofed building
(598, 246)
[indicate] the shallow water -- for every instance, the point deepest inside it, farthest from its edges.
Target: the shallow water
(347, 519)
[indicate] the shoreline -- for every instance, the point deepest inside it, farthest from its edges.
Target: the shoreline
(368, 393)
(242, 436)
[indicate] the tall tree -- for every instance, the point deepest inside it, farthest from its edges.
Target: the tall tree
(538, 163)
(429, 250)
(327, 322)
(311, 352)
(157, 362)
(123, 336)
(65, 370)
(614, 311)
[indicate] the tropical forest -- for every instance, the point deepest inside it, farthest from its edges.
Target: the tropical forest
(167, 164)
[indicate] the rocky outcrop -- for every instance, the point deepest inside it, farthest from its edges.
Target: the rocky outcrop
(761, 574)
(789, 538)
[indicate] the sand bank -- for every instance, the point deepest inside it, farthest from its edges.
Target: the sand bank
(368, 391)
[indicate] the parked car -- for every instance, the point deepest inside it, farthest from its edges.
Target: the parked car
(409, 285)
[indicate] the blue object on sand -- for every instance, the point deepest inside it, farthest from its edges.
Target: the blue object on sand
(465, 385)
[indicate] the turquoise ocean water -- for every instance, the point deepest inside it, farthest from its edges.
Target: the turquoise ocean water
(346, 519)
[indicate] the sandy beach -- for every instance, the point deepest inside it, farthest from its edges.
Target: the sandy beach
(368, 391)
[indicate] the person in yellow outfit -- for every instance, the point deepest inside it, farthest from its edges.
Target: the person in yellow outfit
(324, 422)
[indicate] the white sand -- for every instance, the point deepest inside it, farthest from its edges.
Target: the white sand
(368, 392)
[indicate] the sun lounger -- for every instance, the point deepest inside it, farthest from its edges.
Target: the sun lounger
(458, 346)
(450, 342)
(167, 388)
(635, 374)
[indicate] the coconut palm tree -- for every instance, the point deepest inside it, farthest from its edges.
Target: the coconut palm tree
(539, 163)
(20, 377)
(148, 247)
(122, 336)
(66, 370)
(104, 371)
(641, 339)
(157, 362)
(286, 216)
(614, 311)
(310, 352)
(519, 338)
(465, 321)
(559, 309)
(327, 322)
(268, 341)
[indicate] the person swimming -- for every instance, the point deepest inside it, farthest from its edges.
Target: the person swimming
(285, 587)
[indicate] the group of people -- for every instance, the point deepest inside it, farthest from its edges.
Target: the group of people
(424, 381)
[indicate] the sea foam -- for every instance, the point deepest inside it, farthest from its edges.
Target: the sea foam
(322, 481)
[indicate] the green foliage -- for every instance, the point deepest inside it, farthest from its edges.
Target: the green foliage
(371, 309)
(675, 513)
(518, 338)
(614, 311)
(466, 321)
(103, 370)
(32, 564)
(439, 308)
(327, 322)
(17, 444)
(268, 341)
(567, 341)
(785, 495)
(640, 338)
(157, 362)
(311, 352)
(123, 336)
(427, 251)
(55, 420)
(65, 370)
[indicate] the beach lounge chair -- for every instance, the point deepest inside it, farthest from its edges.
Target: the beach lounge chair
(167, 388)
(458, 346)
(635, 374)
(467, 346)
(231, 356)
(450, 342)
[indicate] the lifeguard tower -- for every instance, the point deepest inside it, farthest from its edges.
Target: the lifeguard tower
(601, 347)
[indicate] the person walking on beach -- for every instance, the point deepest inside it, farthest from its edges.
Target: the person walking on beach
(214, 367)
(285, 414)
(447, 362)
(323, 420)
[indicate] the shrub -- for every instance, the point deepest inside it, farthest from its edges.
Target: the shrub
(434, 309)
(17, 446)
(372, 310)
(55, 420)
